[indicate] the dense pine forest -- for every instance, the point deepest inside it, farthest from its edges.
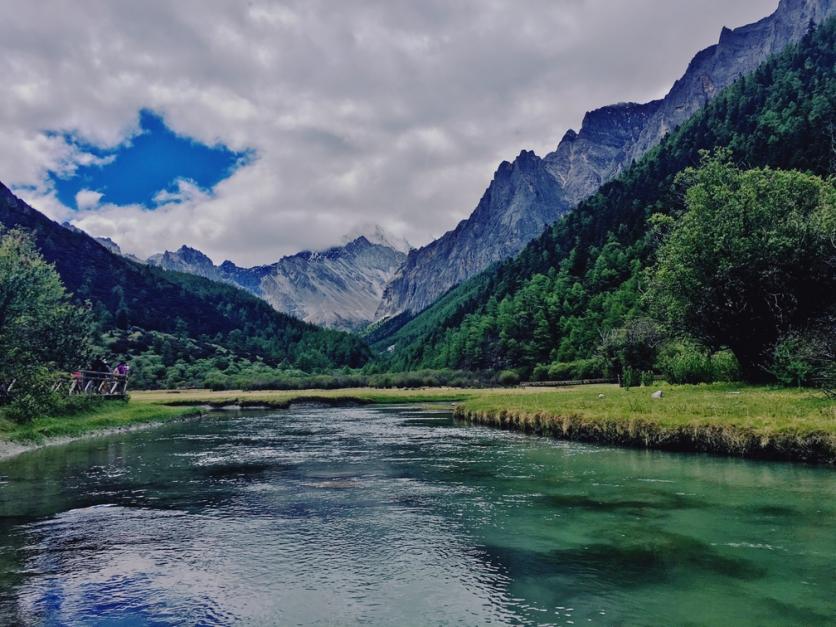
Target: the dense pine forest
(581, 300)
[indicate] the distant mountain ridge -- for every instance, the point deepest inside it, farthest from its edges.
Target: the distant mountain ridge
(213, 318)
(610, 139)
(340, 287)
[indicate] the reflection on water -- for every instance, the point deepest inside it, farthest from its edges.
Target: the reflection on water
(403, 517)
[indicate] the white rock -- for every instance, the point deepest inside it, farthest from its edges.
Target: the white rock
(600, 396)
(656, 394)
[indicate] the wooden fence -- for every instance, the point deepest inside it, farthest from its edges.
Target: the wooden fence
(90, 383)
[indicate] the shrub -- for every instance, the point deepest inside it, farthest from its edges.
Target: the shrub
(508, 377)
(216, 380)
(630, 378)
(647, 378)
(578, 369)
(541, 372)
(807, 358)
(725, 366)
(685, 362)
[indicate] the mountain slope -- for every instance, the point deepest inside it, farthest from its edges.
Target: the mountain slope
(340, 287)
(610, 139)
(520, 201)
(582, 276)
(154, 299)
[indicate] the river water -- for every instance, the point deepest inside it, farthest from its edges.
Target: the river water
(401, 516)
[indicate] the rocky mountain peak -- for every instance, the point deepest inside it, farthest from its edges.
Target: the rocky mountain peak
(528, 193)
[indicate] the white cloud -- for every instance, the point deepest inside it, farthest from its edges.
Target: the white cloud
(395, 113)
(87, 199)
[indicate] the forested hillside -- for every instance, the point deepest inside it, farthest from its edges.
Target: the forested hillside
(584, 277)
(175, 317)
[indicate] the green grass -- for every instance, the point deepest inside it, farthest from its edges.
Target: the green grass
(282, 398)
(722, 418)
(107, 415)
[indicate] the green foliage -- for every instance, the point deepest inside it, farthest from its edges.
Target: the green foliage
(262, 378)
(687, 362)
(41, 330)
(630, 377)
(592, 368)
(508, 377)
(583, 277)
(633, 346)
(647, 378)
(128, 298)
(807, 358)
(748, 259)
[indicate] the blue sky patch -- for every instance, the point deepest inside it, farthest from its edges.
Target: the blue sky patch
(150, 162)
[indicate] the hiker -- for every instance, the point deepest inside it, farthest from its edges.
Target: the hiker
(121, 369)
(99, 365)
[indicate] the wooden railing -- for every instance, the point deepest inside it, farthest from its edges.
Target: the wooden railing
(91, 383)
(549, 384)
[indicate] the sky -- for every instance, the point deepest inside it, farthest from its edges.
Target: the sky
(252, 130)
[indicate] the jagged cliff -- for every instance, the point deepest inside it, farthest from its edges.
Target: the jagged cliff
(521, 199)
(340, 287)
(609, 140)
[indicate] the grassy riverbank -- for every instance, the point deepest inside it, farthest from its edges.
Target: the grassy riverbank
(107, 415)
(283, 398)
(727, 419)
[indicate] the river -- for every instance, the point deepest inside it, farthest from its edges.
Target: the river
(402, 516)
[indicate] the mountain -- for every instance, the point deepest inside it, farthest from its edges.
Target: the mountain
(584, 276)
(610, 139)
(340, 287)
(188, 260)
(192, 310)
(520, 201)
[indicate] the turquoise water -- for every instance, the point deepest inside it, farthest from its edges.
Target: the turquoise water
(401, 516)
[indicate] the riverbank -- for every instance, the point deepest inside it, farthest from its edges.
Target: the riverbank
(735, 420)
(147, 408)
(282, 399)
(109, 417)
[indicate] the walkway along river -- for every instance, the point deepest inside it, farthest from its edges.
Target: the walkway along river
(404, 516)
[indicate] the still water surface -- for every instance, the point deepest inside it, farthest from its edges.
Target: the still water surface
(403, 517)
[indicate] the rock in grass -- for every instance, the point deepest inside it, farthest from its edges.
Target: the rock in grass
(600, 396)
(656, 394)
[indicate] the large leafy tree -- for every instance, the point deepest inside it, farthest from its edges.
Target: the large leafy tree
(750, 259)
(41, 329)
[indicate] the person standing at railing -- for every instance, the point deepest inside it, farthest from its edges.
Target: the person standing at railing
(121, 372)
(99, 365)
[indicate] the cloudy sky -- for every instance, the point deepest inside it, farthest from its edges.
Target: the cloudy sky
(254, 129)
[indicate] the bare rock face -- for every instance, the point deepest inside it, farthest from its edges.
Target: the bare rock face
(586, 160)
(189, 260)
(738, 52)
(521, 200)
(340, 287)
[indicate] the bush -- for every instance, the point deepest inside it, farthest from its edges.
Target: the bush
(685, 362)
(688, 362)
(216, 380)
(725, 366)
(630, 378)
(508, 377)
(541, 373)
(634, 346)
(647, 378)
(573, 370)
(807, 358)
